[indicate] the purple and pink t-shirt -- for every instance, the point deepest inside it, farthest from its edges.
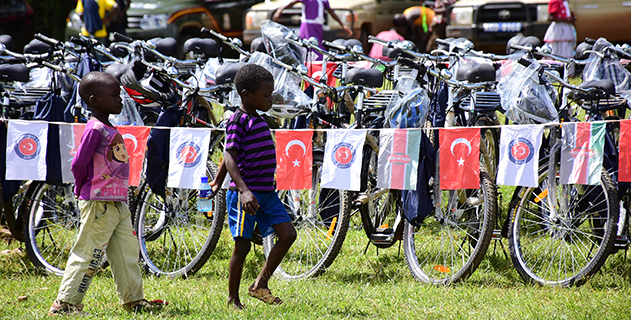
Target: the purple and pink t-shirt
(101, 164)
(256, 158)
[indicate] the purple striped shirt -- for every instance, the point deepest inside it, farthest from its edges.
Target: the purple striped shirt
(256, 157)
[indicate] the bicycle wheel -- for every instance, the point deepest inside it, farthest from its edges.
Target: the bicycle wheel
(489, 147)
(562, 244)
(175, 238)
(451, 242)
(52, 225)
(379, 208)
(321, 218)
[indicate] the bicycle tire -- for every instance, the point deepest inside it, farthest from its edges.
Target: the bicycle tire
(489, 146)
(161, 223)
(382, 212)
(319, 239)
(547, 251)
(449, 245)
(52, 224)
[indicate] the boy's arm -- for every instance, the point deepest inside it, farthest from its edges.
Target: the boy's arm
(89, 142)
(248, 202)
(334, 15)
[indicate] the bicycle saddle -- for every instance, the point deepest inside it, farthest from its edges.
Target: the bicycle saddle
(206, 46)
(7, 41)
(227, 71)
(117, 49)
(36, 47)
(166, 46)
(258, 45)
(607, 88)
(14, 72)
(394, 53)
(365, 77)
(347, 43)
(117, 70)
(473, 71)
(580, 51)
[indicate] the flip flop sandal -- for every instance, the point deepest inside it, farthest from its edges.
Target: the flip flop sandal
(265, 295)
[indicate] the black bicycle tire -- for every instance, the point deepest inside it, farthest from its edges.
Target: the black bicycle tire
(337, 236)
(480, 246)
(592, 266)
(214, 233)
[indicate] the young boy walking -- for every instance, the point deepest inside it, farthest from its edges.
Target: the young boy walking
(250, 159)
(101, 171)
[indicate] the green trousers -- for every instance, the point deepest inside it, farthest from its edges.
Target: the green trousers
(105, 229)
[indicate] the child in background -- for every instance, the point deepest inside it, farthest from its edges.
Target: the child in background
(561, 34)
(400, 26)
(250, 159)
(312, 19)
(101, 171)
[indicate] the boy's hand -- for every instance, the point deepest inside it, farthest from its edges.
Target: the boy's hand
(249, 204)
(214, 188)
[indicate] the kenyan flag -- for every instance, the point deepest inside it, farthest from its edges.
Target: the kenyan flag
(582, 153)
(398, 158)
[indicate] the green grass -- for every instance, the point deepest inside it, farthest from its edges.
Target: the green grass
(375, 285)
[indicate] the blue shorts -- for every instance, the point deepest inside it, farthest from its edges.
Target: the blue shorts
(271, 212)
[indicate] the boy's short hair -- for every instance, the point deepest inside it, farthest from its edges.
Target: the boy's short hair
(250, 77)
(93, 82)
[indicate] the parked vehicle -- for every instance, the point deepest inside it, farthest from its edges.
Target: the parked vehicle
(364, 17)
(490, 23)
(178, 19)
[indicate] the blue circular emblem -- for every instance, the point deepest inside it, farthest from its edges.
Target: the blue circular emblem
(343, 155)
(520, 151)
(27, 147)
(188, 154)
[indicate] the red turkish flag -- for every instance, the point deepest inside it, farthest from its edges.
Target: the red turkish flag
(136, 143)
(624, 153)
(294, 159)
(315, 70)
(459, 158)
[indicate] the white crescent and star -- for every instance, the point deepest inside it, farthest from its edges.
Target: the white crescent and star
(132, 138)
(29, 146)
(457, 142)
(299, 143)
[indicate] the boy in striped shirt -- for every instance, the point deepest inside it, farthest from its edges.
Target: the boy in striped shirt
(250, 159)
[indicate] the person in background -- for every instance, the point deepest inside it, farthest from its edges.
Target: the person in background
(96, 14)
(438, 26)
(400, 26)
(419, 18)
(561, 34)
(118, 24)
(312, 18)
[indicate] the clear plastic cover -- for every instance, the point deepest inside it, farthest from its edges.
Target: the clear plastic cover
(609, 67)
(524, 99)
(409, 111)
(276, 44)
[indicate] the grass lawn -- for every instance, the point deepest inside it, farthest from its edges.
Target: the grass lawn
(375, 285)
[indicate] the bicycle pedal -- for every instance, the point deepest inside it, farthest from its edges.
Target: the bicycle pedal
(497, 235)
(384, 230)
(622, 242)
(381, 238)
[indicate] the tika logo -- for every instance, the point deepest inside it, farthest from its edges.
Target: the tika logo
(188, 154)
(27, 147)
(399, 158)
(343, 155)
(520, 151)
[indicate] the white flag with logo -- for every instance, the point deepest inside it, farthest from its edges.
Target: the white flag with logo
(26, 150)
(519, 155)
(69, 141)
(187, 157)
(342, 163)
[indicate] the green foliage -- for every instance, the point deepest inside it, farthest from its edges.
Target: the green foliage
(374, 285)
